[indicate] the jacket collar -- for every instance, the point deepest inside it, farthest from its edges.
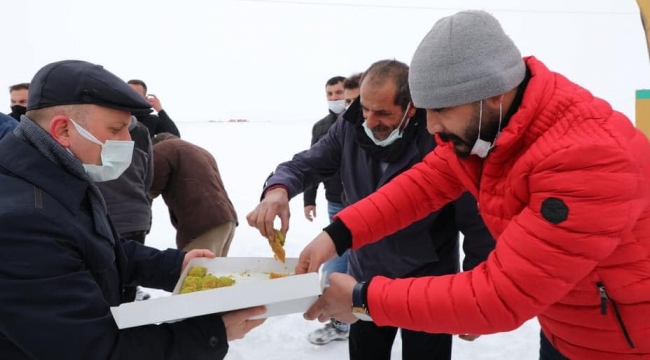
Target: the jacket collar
(26, 162)
(525, 125)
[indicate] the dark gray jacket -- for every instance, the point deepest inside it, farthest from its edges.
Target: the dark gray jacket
(333, 187)
(161, 123)
(126, 197)
(428, 246)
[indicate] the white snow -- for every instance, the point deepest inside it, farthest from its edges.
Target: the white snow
(246, 153)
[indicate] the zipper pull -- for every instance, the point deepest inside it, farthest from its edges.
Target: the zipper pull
(603, 298)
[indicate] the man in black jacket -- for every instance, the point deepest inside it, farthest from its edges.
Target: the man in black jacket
(155, 123)
(62, 264)
(380, 136)
(126, 197)
(334, 92)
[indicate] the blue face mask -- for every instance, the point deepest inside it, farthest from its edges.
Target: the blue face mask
(116, 157)
(393, 136)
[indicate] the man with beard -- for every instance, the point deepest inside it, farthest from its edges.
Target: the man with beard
(563, 182)
(381, 135)
(18, 94)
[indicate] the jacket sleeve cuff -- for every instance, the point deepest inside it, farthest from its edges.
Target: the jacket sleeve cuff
(174, 260)
(364, 295)
(309, 197)
(273, 187)
(213, 333)
(340, 234)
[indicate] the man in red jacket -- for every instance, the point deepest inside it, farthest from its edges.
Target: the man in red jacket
(562, 181)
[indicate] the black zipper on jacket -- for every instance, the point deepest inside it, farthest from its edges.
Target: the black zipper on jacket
(604, 298)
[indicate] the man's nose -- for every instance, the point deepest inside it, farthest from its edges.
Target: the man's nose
(125, 136)
(434, 128)
(433, 122)
(372, 120)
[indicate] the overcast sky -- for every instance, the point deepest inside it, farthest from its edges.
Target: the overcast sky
(269, 60)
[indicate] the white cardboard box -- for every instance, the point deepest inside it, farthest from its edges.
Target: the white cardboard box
(287, 295)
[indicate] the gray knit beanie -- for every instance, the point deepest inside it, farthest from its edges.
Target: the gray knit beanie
(465, 58)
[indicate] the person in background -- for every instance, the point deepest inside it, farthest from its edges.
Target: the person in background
(188, 178)
(334, 93)
(127, 197)
(19, 94)
(351, 89)
(7, 125)
(156, 124)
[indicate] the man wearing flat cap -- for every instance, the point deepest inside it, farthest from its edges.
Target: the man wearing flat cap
(62, 266)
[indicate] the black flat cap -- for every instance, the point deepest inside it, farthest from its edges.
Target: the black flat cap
(71, 82)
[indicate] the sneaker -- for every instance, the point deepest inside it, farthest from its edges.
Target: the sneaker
(141, 295)
(327, 334)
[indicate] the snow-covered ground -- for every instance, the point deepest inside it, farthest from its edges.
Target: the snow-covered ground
(246, 153)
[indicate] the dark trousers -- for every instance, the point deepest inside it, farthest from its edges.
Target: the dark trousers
(547, 351)
(371, 342)
(129, 291)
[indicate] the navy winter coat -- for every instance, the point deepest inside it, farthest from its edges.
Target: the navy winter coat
(62, 266)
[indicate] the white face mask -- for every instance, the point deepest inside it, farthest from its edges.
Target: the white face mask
(481, 147)
(336, 106)
(116, 157)
(393, 136)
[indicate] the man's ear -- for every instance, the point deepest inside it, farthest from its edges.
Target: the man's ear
(60, 130)
(412, 110)
(494, 101)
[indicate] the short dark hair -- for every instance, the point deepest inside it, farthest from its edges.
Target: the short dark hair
(21, 86)
(138, 82)
(353, 81)
(335, 80)
(383, 70)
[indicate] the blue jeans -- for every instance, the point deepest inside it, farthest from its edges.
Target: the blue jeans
(338, 264)
(333, 209)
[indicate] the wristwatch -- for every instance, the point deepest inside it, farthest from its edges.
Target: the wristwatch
(359, 306)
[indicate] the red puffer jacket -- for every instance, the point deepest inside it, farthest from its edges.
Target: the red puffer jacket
(566, 192)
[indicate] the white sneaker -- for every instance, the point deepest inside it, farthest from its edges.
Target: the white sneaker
(141, 295)
(327, 334)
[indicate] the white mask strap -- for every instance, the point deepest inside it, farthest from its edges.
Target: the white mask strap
(85, 133)
(500, 117)
(399, 127)
(480, 118)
